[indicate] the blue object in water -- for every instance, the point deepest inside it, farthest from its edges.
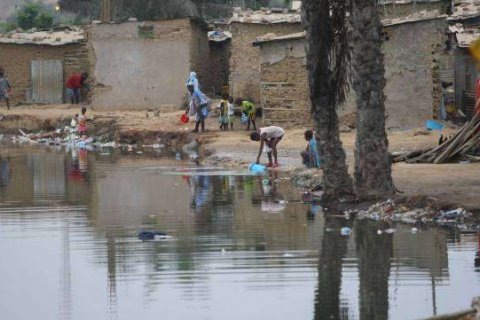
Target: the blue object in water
(255, 167)
(150, 235)
(433, 125)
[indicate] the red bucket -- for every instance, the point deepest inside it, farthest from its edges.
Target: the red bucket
(184, 118)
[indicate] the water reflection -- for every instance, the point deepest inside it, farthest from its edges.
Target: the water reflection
(374, 253)
(5, 171)
(78, 165)
(236, 240)
(328, 304)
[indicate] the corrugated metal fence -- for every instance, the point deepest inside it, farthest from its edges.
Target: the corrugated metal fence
(47, 81)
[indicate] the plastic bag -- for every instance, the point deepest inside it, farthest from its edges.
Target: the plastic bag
(244, 118)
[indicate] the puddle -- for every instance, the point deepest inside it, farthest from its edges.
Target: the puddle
(240, 247)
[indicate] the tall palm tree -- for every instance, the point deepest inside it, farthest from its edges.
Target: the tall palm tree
(373, 168)
(327, 62)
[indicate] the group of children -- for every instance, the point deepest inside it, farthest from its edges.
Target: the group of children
(227, 113)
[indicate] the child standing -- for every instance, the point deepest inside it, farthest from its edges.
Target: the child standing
(223, 119)
(231, 112)
(82, 122)
(4, 88)
(310, 157)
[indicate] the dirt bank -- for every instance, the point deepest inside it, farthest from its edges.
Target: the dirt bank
(132, 127)
(456, 184)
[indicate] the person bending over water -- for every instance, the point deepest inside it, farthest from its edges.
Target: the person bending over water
(269, 137)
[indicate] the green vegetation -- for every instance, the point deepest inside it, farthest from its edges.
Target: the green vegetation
(34, 15)
(7, 27)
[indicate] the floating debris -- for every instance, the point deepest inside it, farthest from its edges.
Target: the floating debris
(151, 235)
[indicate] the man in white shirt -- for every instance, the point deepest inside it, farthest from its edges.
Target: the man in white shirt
(269, 136)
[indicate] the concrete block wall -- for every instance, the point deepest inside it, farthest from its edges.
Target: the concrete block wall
(16, 58)
(285, 94)
(244, 78)
(138, 72)
(410, 91)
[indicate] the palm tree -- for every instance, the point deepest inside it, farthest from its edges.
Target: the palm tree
(327, 62)
(373, 169)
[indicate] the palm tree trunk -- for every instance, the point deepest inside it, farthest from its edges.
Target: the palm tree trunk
(373, 168)
(326, 92)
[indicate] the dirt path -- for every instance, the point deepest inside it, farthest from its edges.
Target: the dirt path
(450, 183)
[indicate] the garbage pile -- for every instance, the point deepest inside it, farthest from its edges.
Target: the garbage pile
(464, 145)
(63, 137)
(388, 211)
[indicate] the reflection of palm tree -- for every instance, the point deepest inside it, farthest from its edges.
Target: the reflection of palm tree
(327, 296)
(374, 253)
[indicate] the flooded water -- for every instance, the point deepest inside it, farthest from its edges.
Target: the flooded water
(239, 247)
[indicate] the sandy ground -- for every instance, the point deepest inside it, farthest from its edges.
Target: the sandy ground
(457, 184)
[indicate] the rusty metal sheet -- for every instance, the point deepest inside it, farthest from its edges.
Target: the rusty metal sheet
(47, 81)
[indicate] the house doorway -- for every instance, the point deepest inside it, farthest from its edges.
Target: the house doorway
(47, 81)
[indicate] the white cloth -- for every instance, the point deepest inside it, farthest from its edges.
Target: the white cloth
(272, 132)
(231, 109)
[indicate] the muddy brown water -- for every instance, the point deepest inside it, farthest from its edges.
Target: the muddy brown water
(239, 247)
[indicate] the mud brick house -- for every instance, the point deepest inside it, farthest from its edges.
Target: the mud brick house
(409, 47)
(464, 27)
(141, 65)
(38, 63)
(245, 27)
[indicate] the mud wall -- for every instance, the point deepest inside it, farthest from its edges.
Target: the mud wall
(16, 58)
(284, 84)
(244, 78)
(200, 61)
(141, 65)
(408, 69)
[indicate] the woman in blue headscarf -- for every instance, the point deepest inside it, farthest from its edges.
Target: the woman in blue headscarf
(192, 80)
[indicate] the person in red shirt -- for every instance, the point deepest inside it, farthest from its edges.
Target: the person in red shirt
(74, 84)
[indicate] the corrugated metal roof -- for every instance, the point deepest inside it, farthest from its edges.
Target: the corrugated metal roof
(48, 38)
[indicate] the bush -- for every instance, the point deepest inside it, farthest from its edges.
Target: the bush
(34, 15)
(7, 27)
